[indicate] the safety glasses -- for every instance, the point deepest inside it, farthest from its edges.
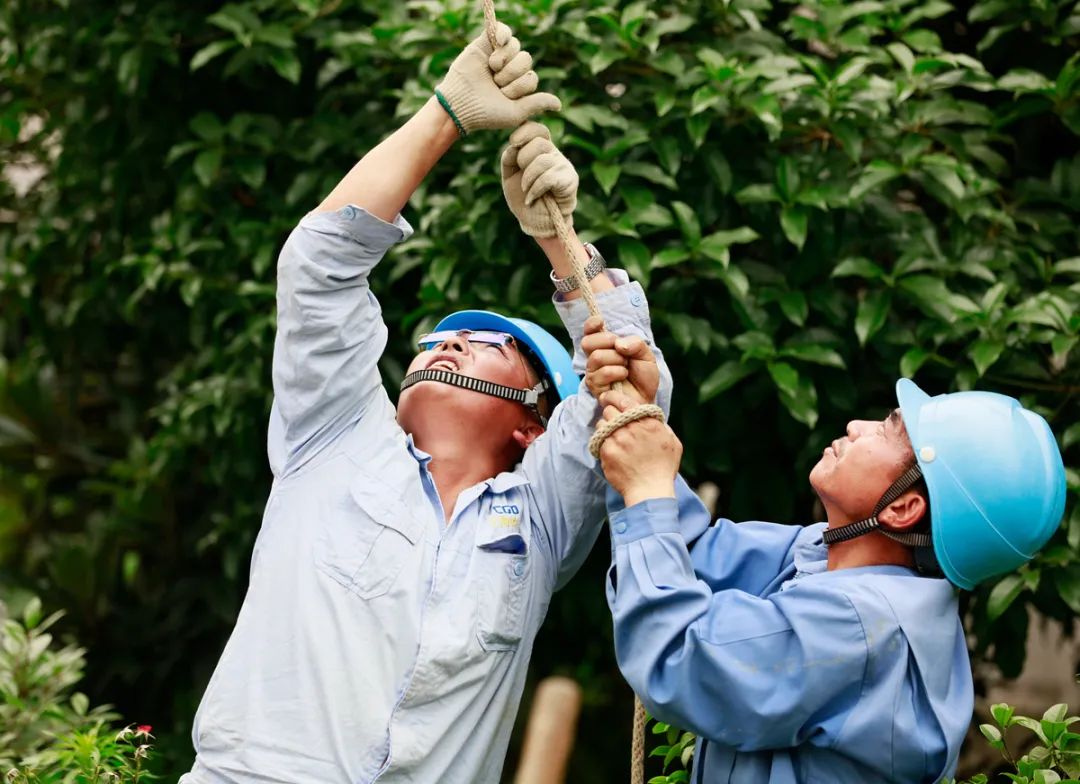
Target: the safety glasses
(432, 339)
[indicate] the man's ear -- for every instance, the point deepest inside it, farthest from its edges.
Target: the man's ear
(905, 512)
(527, 433)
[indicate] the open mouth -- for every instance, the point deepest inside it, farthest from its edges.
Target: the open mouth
(443, 363)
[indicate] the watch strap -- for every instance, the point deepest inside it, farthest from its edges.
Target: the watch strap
(593, 267)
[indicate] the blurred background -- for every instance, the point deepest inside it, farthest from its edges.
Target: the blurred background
(819, 197)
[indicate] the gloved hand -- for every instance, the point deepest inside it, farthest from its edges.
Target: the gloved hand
(493, 89)
(531, 167)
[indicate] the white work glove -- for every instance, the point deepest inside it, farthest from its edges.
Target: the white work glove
(493, 89)
(531, 167)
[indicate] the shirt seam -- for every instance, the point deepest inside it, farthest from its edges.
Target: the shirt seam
(862, 681)
(719, 644)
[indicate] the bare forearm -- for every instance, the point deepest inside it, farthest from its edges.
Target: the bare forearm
(384, 179)
(556, 254)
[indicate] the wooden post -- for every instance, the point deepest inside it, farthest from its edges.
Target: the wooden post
(549, 735)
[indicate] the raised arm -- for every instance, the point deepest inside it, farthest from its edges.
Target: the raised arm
(384, 179)
(330, 328)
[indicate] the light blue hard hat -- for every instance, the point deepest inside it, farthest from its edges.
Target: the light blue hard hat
(995, 478)
(556, 362)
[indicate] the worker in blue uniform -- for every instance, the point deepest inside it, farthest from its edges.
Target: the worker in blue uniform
(832, 652)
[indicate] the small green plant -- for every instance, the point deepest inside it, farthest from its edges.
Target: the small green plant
(678, 749)
(48, 733)
(1055, 757)
(96, 755)
(36, 682)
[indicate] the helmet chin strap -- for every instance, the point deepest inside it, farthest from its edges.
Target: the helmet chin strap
(527, 397)
(861, 527)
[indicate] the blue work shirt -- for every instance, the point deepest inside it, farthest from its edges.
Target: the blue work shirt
(378, 641)
(787, 672)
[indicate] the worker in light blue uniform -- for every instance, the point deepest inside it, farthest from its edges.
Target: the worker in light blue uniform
(832, 652)
(408, 553)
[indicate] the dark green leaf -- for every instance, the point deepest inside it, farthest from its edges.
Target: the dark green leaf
(1003, 595)
(1067, 581)
(817, 354)
(794, 221)
(688, 222)
(984, 353)
(209, 52)
(857, 267)
(872, 314)
(794, 306)
(607, 174)
(723, 378)
(207, 127)
(635, 257)
(287, 64)
(874, 175)
(207, 165)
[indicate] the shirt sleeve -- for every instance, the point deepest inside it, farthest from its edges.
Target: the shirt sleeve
(748, 672)
(748, 556)
(330, 331)
(566, 481)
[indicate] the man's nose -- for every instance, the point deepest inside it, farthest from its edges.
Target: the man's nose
(856, 428)
(456, 343)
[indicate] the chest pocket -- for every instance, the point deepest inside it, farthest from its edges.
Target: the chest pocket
(366, 538)
(502, 567)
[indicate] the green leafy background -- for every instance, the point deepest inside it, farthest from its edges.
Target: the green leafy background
(819, 197)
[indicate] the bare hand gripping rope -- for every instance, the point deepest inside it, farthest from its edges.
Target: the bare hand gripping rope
(604, 429)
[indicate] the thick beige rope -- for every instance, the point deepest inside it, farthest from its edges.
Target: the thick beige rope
(604, 429)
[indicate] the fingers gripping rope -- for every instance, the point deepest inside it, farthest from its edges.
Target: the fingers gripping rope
(605, 428)
(637, 750)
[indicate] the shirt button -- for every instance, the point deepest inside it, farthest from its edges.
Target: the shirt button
(620, 527)
(636, 299)
(350, 212)
(519, 568)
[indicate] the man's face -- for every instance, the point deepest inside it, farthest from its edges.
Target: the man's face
(856, 470)
(503, 364)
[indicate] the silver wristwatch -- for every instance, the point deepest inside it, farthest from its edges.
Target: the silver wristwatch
(594, 267)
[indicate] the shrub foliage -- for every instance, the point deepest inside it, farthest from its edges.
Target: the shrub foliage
(820, 196)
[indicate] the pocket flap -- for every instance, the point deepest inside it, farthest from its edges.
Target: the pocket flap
(500, 532)
(385, 506)
(508, 544)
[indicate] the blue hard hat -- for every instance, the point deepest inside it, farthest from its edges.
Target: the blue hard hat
(995, 478)
(556, 362)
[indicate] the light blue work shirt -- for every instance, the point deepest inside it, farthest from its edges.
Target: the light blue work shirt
(377, 641)
(787, 672)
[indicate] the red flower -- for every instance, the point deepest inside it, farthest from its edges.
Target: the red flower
(143, 729)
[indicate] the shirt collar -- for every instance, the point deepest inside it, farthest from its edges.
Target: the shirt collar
(810, 554)
(422, 457)
(505, 481)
